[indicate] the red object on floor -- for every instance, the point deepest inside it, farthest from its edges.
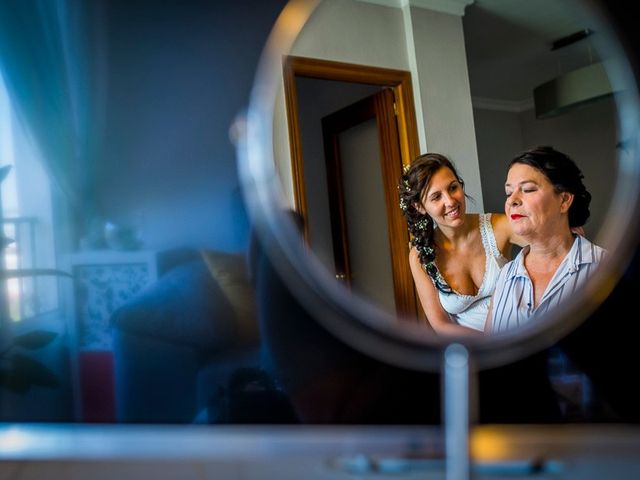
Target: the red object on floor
(97, 387)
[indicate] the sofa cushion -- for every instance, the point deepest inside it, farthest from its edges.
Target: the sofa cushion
(231, 274)
(189, 305)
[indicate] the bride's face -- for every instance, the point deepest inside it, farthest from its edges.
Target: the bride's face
(443, 199)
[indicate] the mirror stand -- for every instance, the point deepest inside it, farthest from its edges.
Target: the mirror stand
(456, 412)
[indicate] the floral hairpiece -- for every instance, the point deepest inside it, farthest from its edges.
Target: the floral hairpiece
(407, 185)
(423, 223)
(407, 189)
(423, 249)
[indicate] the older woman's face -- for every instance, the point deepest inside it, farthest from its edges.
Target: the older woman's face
(533, 207)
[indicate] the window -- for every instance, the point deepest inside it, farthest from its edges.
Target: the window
(27, 222)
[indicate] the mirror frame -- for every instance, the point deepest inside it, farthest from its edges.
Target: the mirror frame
(354, 320)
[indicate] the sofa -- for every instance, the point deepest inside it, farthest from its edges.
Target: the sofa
(178, 343)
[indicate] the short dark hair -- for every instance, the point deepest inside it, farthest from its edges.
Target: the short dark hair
(564, 175)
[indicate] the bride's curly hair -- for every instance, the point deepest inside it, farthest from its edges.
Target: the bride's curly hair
(415, 179)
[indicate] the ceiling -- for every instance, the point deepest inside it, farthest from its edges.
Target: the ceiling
(508, 45)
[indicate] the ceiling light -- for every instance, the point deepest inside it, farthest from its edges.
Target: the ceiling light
(574, 89)
(577, 88)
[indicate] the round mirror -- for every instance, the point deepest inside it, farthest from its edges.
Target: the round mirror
(349, 93)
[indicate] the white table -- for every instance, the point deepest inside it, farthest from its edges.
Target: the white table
(207, 452)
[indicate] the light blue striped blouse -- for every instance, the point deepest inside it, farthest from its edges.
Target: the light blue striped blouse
(513, 298)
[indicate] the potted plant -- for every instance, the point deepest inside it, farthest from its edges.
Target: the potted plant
(18, 370)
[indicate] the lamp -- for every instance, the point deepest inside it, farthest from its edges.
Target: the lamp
(573, 89)
(576, 88)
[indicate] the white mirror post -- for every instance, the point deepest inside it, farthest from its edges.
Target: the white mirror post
(456, 412)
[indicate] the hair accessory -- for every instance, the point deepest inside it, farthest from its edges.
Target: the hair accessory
(423, 223)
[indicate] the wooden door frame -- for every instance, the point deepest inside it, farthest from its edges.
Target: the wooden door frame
(399, 81)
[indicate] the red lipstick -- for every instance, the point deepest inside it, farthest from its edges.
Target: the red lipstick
(515, 216)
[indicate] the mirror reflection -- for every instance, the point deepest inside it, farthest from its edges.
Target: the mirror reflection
(367, 88)
(133, 289)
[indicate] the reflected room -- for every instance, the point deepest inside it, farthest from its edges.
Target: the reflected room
(135, 289)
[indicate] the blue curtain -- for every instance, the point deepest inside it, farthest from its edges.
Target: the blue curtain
(46, 69)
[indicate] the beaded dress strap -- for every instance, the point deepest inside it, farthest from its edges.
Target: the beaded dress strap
(488, 237)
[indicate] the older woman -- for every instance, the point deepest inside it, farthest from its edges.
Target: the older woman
(545, 200)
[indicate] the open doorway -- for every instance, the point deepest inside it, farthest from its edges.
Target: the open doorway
(345, 185)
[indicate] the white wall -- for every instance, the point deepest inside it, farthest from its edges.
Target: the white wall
(445, 94)
(499, 136)
(362, 33)
(177, 75)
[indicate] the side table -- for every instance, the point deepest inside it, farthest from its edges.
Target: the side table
(103, 280)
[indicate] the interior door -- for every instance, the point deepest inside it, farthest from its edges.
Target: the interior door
(370, 238)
